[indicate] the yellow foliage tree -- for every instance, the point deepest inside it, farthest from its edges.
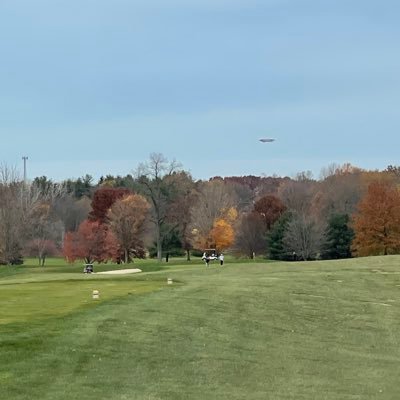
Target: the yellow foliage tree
(198, 240)
(222, 234)
(231, 215)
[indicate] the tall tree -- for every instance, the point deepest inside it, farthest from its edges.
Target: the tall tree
(127, 218)
(158, 182)
(80, 187)
(44, 230)
(92, 242)
(102, 201)
(179, 215)
(18, 199)
(302, 237)
(214, 200)
(44, 184)
(298, 195)
(11, 218)
(339, 192)
(222, 234)
(250, 235)
(377, 222)
(72, 211)
(270, 208)
(277, 248)
(172, 245)
(338, 237)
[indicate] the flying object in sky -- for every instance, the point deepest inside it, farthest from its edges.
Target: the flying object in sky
(267, 140)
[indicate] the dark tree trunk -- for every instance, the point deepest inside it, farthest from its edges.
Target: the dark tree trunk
(159, 245)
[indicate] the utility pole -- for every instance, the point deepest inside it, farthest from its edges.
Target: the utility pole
(25, 158)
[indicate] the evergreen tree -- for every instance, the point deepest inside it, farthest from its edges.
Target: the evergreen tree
(80, 187)
(338, 237)
(276, 245)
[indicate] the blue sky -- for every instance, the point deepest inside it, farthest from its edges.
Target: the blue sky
(95, 86)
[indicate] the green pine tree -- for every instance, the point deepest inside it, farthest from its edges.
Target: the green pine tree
(338, 237)
(276, 245)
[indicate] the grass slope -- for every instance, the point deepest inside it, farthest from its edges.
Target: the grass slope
(322, 330)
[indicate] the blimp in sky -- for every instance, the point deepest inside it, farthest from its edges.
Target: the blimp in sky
(267, 140)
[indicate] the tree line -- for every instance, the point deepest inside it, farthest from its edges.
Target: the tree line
(160, 209)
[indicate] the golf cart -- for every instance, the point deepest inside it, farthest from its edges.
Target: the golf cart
(88, 269)
(210, 254)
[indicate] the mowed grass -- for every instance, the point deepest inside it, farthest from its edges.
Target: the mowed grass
(248, 330)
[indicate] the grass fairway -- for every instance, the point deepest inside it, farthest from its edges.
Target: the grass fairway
(321, 330)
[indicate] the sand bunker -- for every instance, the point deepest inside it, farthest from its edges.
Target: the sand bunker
(120, 271)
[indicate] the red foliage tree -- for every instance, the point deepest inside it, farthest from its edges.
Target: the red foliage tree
(92, 242)
(102, 201)
(270, 208)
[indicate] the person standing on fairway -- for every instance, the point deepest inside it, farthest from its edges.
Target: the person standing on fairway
(221, 259)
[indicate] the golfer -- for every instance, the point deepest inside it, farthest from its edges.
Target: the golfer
(221, 259)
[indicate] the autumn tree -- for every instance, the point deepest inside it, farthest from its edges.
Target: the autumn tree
(394, 170)
(127, 218)
(159, 182)
(258, 185)
(242, 190)
(92, 242)
(43, 230)
(270, 208)
(250, 235)
(298, 195)
(377, 222)
(11, 216)
(72, 211)
(18, 199)
(41, 248)
(222, 234)
(213, 202)
(178, 219)
(102, 201)
(302, 237)
(339, 191)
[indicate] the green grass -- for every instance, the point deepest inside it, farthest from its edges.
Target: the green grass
(249, 330)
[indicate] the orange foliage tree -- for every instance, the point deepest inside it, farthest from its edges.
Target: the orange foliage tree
(92, 242)
(377, 223)
(222, 234)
